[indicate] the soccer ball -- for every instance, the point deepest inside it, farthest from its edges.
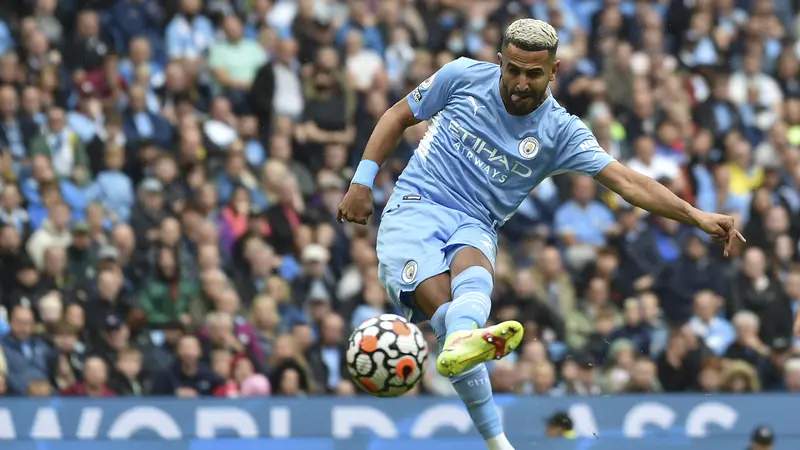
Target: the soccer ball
(386, 355)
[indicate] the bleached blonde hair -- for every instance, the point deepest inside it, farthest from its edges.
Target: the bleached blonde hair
(531, 35)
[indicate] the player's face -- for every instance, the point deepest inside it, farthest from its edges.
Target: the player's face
(524, 78)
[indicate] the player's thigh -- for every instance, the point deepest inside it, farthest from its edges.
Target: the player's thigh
(473, 244)
(436, 291)
(467, 256)
(432, 293)
(411, 260)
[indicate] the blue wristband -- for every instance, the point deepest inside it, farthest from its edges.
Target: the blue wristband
(366, 172)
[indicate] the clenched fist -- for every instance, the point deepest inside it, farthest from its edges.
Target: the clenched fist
(356, 205)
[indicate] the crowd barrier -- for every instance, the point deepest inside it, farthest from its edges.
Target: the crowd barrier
(708, 422)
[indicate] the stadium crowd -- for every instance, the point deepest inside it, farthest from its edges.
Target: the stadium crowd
(171, 170)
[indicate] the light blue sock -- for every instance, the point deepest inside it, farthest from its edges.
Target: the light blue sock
(471, 303)
(473, 387)
(475, 390)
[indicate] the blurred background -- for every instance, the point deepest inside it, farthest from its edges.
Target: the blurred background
(169, 177)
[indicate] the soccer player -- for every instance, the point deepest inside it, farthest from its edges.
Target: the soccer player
(494, 133)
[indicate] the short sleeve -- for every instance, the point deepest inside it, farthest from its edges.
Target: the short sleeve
(432, 95)
(214, 57)
(581, 152)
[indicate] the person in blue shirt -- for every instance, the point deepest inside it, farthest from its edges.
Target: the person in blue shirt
(494, 133)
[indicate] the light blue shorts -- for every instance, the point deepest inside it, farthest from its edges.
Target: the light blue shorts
(417, 240)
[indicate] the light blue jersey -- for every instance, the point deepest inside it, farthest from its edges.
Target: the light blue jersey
(479, 159)
(471, 171)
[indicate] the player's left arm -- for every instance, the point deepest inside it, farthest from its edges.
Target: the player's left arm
(646, 193)
(584, 154)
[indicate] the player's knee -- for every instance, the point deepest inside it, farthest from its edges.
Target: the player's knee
(473, 279)
(432, 293)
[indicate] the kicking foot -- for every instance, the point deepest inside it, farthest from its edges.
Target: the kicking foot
(466, 349)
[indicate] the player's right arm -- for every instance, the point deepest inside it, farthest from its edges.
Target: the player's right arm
(430, 97)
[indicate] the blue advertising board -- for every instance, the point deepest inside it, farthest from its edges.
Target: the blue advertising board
(619, 422)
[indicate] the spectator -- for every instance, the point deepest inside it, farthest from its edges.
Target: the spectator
(287, 99)
(148, 212)
(68, 358)
(676, 370)
(130, 377)
(581, 224)
(53, 233)
(651, 312)
(692, 272)
(634, 327)
(235, 62)
(748, 346)
(619, 364)
(16, 128)
(762, 438)
(94, 381)
(718, 114)
(78, 254)
(580, 323)
(26, 354)
(169, 295)
(560, 425)
(63, 147)
(222, 331)
(290, 380)
(544, 378)
(717, 333)
(759, 292)
(605, 322)
(739, 377)
(27, 287)
(316, 277)
(109, 298)
(585, 379)
(10, 245)
(792, 375)
(644, 377)
(648, 162)
(552, 283)
(188, 377)
(327, 359)
(140, 124)
(266, 320)
(188, 34)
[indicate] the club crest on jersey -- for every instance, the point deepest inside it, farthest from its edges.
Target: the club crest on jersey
(529, 147)
(410, 272)
(427, 83)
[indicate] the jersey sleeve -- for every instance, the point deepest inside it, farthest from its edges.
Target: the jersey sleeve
(580, 152)
(432, 95)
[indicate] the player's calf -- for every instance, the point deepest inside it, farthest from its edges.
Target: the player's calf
(475, 389)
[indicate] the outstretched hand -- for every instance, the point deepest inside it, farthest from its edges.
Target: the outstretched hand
(721, 229)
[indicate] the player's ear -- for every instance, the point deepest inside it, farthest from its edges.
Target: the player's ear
(500, 59)
(555, 70)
